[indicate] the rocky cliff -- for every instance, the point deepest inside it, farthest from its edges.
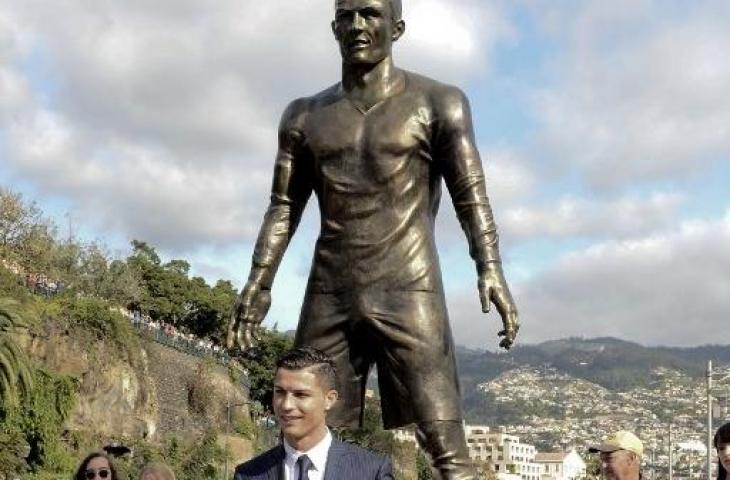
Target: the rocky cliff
(149, 393)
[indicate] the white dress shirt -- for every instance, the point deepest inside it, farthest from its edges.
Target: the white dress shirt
(317, 454)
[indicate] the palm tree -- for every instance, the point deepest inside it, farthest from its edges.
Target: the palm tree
(16, 379)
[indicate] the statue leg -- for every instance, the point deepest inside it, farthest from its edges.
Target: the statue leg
(445, 443)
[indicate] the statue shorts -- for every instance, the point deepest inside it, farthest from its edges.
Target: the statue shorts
(406, 334)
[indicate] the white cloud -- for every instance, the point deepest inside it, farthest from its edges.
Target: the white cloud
(576, 217)
(451, 40)
(670, 288)
(639, 93)
(157, 120)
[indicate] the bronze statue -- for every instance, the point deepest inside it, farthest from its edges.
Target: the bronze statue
(374, 148)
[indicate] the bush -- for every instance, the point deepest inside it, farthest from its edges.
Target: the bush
(201, 391)
(40, 422)
(92, 321)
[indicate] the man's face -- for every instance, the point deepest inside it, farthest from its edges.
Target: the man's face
(365, 30)
(620, 465)
(723, 453)
(300, 404)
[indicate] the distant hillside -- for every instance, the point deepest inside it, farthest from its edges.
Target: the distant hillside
(609, 362)
(614, 364)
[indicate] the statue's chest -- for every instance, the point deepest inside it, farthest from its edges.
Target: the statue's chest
(388, 140)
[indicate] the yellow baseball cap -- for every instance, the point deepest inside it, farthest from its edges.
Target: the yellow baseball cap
(621, 440)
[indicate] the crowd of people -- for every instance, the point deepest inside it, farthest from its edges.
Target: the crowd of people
(170, 335)
(42, 285)
(38, 283)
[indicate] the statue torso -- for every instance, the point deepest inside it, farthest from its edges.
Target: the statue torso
(378, 188)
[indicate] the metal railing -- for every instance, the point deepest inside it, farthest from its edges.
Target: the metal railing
(183, 344)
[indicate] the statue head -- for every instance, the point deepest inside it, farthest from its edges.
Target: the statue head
(366, 29)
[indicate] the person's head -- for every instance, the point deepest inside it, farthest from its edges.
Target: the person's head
(305, 388)
(366, 29)
(722, 444)
(620, 456)
(95, 466)
(156, 471)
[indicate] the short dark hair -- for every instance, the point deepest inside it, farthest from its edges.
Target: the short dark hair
(81, 472)
(321, 364)
(722, 435)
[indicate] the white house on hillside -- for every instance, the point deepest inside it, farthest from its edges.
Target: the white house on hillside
(561, 465)
(506, 453)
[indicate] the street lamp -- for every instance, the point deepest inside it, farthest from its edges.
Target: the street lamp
(246, 389)
(230, 405)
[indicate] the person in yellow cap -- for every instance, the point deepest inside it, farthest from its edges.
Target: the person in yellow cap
(620, 456)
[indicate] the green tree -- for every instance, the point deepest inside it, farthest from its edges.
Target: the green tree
(17, 218)
(15, 374)
(120, 284)
(260, 363)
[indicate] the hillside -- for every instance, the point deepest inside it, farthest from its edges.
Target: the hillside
(612, 363)
(569, 391)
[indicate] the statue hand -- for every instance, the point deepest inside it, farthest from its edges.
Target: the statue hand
(493, 289)
(249, 311)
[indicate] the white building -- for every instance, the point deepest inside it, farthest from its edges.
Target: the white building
(505, 452)
(561, 465)
(404, 434)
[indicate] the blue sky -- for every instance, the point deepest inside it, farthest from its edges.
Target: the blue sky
(604, 129)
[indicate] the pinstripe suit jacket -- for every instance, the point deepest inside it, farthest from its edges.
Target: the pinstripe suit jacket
(344, 462)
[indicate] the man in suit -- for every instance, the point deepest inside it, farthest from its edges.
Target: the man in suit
(304, 390)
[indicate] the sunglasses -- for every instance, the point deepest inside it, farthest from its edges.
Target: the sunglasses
(101, 473)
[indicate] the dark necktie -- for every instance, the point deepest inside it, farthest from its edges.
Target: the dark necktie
(304, 465)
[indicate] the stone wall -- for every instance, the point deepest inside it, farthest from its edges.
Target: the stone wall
(174, 374)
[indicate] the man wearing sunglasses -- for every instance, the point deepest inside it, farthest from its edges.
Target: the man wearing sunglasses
(304, 391)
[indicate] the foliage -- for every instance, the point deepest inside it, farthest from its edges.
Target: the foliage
(201, 391)
(372, 435)
(423, 467)
(93, 321)
(40, 421)
(192, 458)
(13, 450)
(201, 460)
(170, 296)
(11, 286)
(260, 363)
(142, 281)
(15, 374)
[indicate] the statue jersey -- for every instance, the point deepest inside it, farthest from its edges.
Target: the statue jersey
(377, 176)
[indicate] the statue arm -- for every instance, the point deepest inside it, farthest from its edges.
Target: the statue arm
(464, 176)
(290, 190)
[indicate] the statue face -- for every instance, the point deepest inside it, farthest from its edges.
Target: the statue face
(365, 30)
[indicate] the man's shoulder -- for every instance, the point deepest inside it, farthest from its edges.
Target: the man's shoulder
(357, 451)
(304, 105)
(262, 463)
(437, 91)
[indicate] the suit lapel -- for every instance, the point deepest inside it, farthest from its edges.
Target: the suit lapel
(276, 472)
(335, 458)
